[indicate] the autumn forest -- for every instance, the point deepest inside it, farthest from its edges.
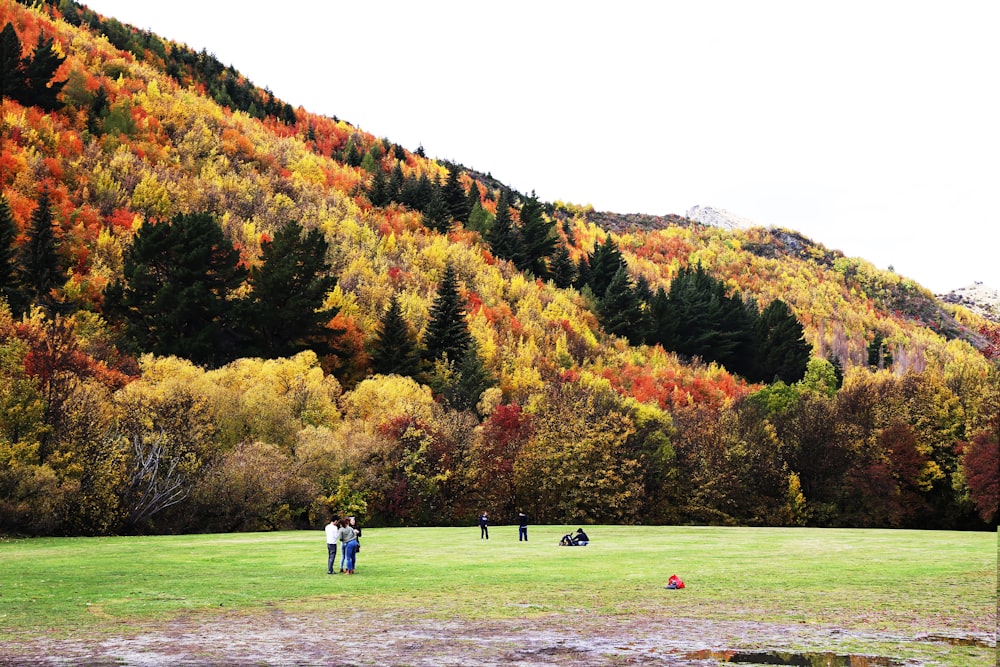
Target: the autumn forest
(220, 312)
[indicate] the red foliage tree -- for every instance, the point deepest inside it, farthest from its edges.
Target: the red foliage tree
(992, 335)
(502, 436)
(981, 464)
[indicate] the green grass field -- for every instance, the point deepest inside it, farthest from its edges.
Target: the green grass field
(887, 581)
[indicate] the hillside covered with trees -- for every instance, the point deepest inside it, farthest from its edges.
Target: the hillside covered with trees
(219, 312)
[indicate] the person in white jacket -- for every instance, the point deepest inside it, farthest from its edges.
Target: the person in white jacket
(332, 535)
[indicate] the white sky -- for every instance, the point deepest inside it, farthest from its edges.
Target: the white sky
(871, 127)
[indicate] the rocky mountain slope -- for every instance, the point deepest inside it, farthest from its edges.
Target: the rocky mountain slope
(977, 297)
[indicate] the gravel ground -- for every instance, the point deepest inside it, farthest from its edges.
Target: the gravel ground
(277, 637)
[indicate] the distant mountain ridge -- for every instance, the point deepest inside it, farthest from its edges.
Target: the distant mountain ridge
(717, 217)
(977, 297)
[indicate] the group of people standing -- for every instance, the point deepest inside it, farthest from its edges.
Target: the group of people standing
(345, 531)
(522, 526)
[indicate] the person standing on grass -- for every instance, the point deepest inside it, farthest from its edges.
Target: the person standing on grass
(357, 534)
(343, 552)
(349, 538)
(484, 526)
(522, 527)
(332, 534)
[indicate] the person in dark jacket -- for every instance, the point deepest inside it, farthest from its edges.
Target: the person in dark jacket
(484, 526)
(522, 527)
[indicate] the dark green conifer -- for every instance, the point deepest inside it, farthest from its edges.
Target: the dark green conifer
(174, 299)
(538, 241)
(699, 319)
(38, 73)
(395, 186)
(378, 193)
(10, 284)
(447, 334)
(436, 214)
(780, 348)
(284, 311)
(619, 311)
(502, 235)
(395, 348)
(12, 76)
(563, 271)
(879, 355)
(354, 157)
(42, 272)
(454, 196)
(602, 265)
(838, 369)
(416, 192)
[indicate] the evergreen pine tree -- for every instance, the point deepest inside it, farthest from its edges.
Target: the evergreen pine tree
(879, 355)
(12, 76)
(562, 272)
(657, 319)
(447, 332)
(436, 215)
(502, 235)
(619, 311)
(838, 369)
(416, 192)
(395, 186)
(284, 310)
(38, 73)
(378, 193)
(454, 196)
(70, 12)
(41, 268)
(699, 319)
(582, 274)
(780, 347)
(10, 284)
(395, 348)
(538, 241)
(353, 157)
(603, 263)
(174, 298)
(369, 163)
(643, 291)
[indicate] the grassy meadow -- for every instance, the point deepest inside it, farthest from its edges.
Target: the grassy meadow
(885, 581)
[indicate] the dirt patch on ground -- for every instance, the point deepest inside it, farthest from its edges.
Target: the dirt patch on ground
(278, 637)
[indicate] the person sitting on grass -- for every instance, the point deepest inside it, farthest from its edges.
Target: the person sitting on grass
(578, 540)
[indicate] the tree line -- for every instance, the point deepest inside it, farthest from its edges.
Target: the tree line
(89, 446)
(224, 84)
